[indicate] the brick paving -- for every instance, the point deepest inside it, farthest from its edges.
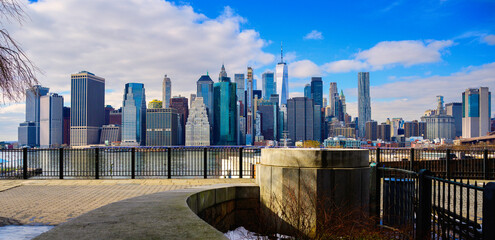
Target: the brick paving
(52, 202)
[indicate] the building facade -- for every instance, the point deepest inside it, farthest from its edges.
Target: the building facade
(307, 91)
(162, 127)
(182, 106)
(476, 112)
(204, 87)
(300, 119)
(197, 126)
(364, 103)
(439, 125)
(166, 91)
(134, 115)
(333, 96)
(110, 134)
(371, 130)
(317, 91)
(87, 112)
(33, 96)
(225, 109)
(51, 120)
(455, 110)
(383, 132)
(268, 84)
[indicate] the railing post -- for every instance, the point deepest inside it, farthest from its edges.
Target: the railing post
(423, 219)
(97, 163)
(24, 163)
(377, 156)
(133, 163)
(169, 162)
(378, 186)
(61, 163)
(486, 167)
(447, 165)
(205, 162)
(240, 162)
(411, 160)
(489, 211)
(375, 194)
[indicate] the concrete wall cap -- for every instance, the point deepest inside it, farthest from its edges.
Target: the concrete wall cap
(315, 157)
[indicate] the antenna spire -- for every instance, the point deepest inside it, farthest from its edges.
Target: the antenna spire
(281, 53)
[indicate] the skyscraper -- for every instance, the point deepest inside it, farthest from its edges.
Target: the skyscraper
(222, 73)
(317, 91)
(332, 95)
(239, 80)
(134, 115)
(162, 127)
(364, 104)
(66, 130)
(51, 120)
(371, 130)
(182, 106)
(197, 126)
(300, 120)
(249, 108)
(268, 87)
(307, 91)
(439, 125)
(32, 136)
(282, 75)
(476, 112)
(269, 120)
(383, 132)
(205, 90)
(87, 112)
(225, 105)
(166, 91)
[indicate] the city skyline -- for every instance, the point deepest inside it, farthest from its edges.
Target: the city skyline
(447, 62)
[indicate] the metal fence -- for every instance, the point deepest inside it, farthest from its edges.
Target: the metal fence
(127, 162)
(422, 206)
(449, 164)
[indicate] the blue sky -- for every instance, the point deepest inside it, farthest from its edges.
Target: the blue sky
(414, 50)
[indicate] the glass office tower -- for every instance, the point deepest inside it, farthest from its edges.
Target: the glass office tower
(134, 115)
(225, 109)
(268, 87)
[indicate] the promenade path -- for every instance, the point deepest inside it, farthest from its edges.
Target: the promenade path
(51, 202)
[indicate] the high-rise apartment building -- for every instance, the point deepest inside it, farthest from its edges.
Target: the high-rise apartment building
(197, 126)
(411, 129)
(317, 91)
(166, 91)
(204, 87)
(476, 112)
(134, 115)
(182, 106)
(364, 102)
(300, 119)
(268, 85)
(87, 112)
(282, 75)
(371, 130)
(225, 109)
(383, 132)
(29, 134)
(51, 120)
(162, 127)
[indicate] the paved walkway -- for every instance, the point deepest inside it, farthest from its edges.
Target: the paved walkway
(55, 201)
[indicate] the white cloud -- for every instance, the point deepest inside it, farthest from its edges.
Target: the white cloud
(303, 69)
(134, 41)
(405, 53)
(314, 35)
(344, 66)
(411, 98)
(489, 39)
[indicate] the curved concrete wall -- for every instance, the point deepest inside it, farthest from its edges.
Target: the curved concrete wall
(306, 188)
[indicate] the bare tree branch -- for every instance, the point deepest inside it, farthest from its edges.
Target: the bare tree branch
(17, 72)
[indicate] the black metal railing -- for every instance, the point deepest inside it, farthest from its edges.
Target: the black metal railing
(129, 162)
(422, 206)
(444, 163)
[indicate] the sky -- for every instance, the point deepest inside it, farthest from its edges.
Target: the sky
(414, 50)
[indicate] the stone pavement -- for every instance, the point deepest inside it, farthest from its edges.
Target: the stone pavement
(52, 202)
